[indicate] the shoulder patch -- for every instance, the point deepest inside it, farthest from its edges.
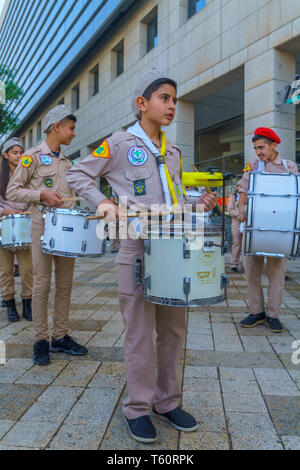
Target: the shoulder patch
(247, 168)
(103, 151)
(26, 161)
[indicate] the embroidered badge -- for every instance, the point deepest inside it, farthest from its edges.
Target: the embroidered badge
(46, 160)
(48, 182)
(26, 161)
(103, 151)
(137, 156)
(140, 188)
(247, 168)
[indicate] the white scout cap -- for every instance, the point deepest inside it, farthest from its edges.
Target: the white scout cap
(56, 114)
(145, 81)
(11, 143)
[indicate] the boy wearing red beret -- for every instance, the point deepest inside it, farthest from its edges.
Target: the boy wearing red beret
(265, 143)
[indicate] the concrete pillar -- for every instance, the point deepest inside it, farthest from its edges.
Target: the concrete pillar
(265, 75)
(182, 132)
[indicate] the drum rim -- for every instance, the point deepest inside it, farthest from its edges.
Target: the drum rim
(70, 255)
(16, 216)
(181, 303)
(83, 213)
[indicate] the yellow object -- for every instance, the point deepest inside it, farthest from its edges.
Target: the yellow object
(206, 179)
(168, 176)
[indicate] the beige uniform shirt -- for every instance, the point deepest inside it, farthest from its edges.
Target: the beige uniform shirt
(131, 170)
(46, 172)
(233, 206)
(11, 206)
(270, 167)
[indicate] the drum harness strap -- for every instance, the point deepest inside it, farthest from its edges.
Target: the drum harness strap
(261, 166)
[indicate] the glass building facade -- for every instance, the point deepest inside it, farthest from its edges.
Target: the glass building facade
(42, 40)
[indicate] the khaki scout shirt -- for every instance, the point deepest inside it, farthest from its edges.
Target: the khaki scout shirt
(11, 206)
(233, 207)
(45, 173)
(124, 174)
(270, 167)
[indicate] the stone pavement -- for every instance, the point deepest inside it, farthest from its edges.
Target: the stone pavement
(241, 384)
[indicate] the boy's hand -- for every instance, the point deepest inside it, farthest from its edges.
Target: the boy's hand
(209, 200)
(52, 198)
(108, 210)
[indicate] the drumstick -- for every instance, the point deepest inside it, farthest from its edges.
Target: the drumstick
(207, 189)
(71, 199)
(141, 214)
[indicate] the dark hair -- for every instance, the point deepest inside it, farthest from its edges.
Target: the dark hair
(259, 137)
(156, 85)
(4, 176)
(71, 117)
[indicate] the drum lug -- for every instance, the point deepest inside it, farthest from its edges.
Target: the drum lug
(147, 247)
(86, 223)
(147, 281)
(54, 219)
(13, 238)
(83, 247)
(186, 252)
(52, 243)
(224, 281)
(138, 272)
(187, 287)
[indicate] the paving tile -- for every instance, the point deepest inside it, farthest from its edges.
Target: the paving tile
(249, 423)
(31, 434)
(204, 441)
(5, 426)
(235, 401)
(291, 442)
(202, 399)
(256, 441)
(43, 376)
(16, 399)
(200, 372)
(228, 344)
(276, 382)
(77, 374)
(231, 359)
(13, 369)
(78, 437)
(285, 413)
(200, 342)
(282, 344)
(256, 344)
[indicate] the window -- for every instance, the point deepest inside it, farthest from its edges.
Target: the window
(94, 81)
(61, 101)
(24, 142)
(75, 97)
(152, 33)
(39, 130)
(118, 60)
(195, 6)
(30, 138)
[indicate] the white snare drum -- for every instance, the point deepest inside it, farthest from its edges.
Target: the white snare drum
(69, 233)
(273, 220)
(185, 272)
(15, 231)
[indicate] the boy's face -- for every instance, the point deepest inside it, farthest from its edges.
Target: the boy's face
(161, 108)
(65, 132)
(264, 150)
(14, 155)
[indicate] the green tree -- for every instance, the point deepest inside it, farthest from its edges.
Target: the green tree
(8, 119)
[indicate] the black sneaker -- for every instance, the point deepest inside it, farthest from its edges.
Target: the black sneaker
(253, 320)
(12, 313)
(41, 355)
(3, 303)
(141, 429)
(274, 325)
(179, 419)
(234, 270)
(68, 346)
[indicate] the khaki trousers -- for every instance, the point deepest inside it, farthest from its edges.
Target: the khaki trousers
(148, 385)
(236, 243)
(7, 272)
(42, 270)
(276, 268)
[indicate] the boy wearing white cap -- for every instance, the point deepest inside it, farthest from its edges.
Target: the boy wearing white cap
(40, 180)
(131, 162)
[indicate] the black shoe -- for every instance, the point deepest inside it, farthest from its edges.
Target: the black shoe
(27, 313)
(274, 325)
(179, 419)
(41, 355)
(234, 270)
(141, 429)
(12, 313)
(16, 271)
(3, 303)
(253, 320)
(68, 346)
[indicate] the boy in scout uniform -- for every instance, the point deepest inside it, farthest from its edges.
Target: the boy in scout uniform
(131, 169)
(40, 180)
(265, 144)
(12, 151)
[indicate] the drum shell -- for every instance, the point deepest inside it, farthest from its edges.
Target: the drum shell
(16, 231)
(67, 230)
(168, 268)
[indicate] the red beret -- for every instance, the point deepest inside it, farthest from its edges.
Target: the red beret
(266, 132)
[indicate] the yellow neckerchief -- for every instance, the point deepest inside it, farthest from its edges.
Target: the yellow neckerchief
(163, 151)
